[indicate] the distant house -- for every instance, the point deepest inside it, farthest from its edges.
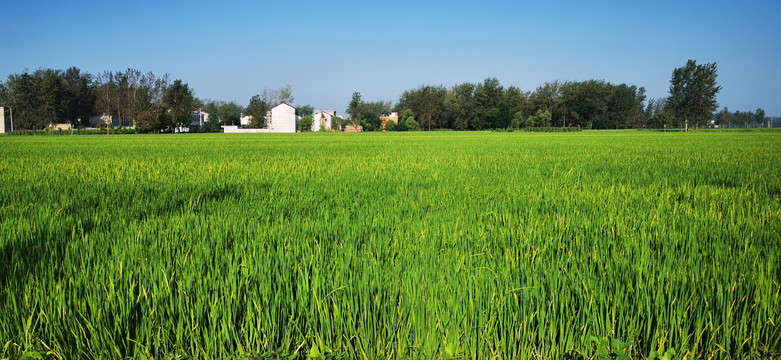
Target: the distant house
(283, 119)
(322, 119)
(96, 121)
(392, 117)
(353, 128)
(233, 129)
(60, 126)
(198, 116)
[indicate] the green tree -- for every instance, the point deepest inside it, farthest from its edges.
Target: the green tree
(305, 123)
(693, 90)
(286, 94)
(759, 117)
(337, 123)
(459, 104)
(625, 106)
(408, 119)
(257, 109)
(178, 99)
(355, 109)
(517, 121)
(499, 117)
(585, 103)
(80, 96)
(516, 99)
(660, 121)
(230, 113)
(304, 110)
(487, 96)
(370, 115)
(541, 119)
(146, 113)
(547, 97)
(20, 95)
(428, 104)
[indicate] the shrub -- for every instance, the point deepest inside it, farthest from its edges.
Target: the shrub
(305, 123)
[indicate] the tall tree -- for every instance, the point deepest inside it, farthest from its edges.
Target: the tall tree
(355, 109)
(178, 98)
(584, 104)
(147, 114)
(304, 110)
(428, 104)
(81, 97)
(516, 100)
(759, 117)
(693, 90)
(547, 97)
(258, 109)
(20, 96)
(459, 103)
(625, 106)
(286, 94)
(230, 113)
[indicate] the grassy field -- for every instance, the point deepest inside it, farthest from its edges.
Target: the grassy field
(615, 244)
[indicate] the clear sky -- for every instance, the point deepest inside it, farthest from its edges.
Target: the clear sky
(231, 50)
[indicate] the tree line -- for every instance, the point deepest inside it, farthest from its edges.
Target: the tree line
(489, 105)
(153, 103)
(591, 104)
(51, 96)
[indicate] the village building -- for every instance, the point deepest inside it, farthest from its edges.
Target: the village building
(98, 121)
(394, 116)
(283, 119)
(60, 127)
(280, 119)
(5, 125)
(245, 120)
(199, 117)
(322, 120)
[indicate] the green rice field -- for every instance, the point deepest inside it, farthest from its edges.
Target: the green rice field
(443, 245)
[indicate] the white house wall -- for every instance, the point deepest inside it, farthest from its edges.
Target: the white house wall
(2, 121)
(323, 117)
(283, 119)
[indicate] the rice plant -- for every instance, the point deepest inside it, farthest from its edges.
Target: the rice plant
(588, 245)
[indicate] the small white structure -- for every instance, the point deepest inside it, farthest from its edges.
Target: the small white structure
(322, 119)
(283, 119)
(245, 120)
(3, 128)
(199, 117)
(104, 119)
(233, 129)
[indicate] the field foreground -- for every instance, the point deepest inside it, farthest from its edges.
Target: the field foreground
(619, 244)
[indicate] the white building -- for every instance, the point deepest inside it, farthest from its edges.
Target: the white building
(283, 119)
(3, 127)
(233, 129)
(199, 117)
(322, 119)
(96, 121)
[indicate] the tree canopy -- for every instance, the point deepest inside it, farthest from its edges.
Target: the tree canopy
(693, 90)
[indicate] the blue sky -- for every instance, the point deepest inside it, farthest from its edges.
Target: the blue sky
(231, 50)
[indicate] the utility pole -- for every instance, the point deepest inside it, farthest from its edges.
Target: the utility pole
(12, 119)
